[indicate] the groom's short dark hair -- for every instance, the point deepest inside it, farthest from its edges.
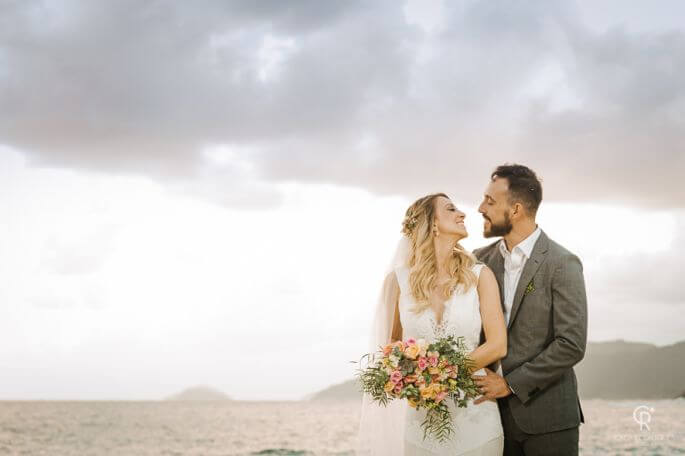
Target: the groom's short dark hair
(524, 185)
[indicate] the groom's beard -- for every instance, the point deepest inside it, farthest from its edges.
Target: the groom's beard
(501, 229)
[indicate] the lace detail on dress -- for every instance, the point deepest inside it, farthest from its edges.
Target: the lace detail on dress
(438, 328)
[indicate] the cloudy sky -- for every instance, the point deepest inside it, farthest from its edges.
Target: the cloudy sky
(208, 192)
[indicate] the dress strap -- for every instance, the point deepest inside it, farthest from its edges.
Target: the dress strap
(477, 268)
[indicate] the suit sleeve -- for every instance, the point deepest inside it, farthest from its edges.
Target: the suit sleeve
(477, 253)
(569, 320)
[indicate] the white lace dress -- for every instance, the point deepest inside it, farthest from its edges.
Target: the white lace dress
(477, 429)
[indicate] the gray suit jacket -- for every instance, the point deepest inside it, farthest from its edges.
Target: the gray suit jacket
(547, 334)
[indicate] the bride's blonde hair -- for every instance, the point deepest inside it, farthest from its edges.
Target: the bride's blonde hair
(422, 262)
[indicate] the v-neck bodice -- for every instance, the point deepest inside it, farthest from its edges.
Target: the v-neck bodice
(460, 315)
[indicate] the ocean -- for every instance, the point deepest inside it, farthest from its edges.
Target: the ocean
(241, 428)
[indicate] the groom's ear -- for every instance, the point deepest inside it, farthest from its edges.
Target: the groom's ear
(517, 209)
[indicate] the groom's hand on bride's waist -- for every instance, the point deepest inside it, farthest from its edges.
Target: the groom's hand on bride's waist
(492, 386)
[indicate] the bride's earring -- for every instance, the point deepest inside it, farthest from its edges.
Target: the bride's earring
(436, 233)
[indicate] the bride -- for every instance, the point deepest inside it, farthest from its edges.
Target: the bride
(435, 288)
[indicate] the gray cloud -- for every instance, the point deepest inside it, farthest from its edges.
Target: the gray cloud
(346, 92)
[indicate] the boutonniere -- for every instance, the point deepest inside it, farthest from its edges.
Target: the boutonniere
(530, 288)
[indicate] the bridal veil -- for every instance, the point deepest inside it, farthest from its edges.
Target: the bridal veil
(381, 428)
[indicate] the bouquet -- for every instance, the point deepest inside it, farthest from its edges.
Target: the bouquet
(426, 375)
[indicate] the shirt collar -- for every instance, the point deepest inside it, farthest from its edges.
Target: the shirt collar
(525, 246)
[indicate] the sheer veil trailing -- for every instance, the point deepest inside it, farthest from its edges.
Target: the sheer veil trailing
(381, 429)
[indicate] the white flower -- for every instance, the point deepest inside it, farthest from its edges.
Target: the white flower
(423, 346)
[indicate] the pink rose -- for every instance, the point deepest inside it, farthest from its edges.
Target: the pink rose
(440, 396)
(433, 361)
(422, 363)
(411, 341)
(398, 388)
(396, 376)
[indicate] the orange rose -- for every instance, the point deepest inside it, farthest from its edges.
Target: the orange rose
(400, 345)
(411, 378)
(412, 351)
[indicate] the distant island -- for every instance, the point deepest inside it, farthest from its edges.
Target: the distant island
(610, 370)
(199, 393)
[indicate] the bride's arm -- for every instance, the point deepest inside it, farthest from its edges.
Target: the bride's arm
(495, 345)
(391, 291)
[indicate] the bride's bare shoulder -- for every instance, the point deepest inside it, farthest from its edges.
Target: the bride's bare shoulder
(486, 277)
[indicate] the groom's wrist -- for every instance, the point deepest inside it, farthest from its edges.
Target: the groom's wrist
(511, 389)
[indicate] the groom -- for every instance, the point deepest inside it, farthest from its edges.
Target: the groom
(544, 304)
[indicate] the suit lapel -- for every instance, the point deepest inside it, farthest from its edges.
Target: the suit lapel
(537, 256)
(497, 266)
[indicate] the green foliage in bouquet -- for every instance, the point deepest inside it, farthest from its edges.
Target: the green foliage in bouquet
(372, 380)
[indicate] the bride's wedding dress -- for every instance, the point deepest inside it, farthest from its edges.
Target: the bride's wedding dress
(477, 429)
